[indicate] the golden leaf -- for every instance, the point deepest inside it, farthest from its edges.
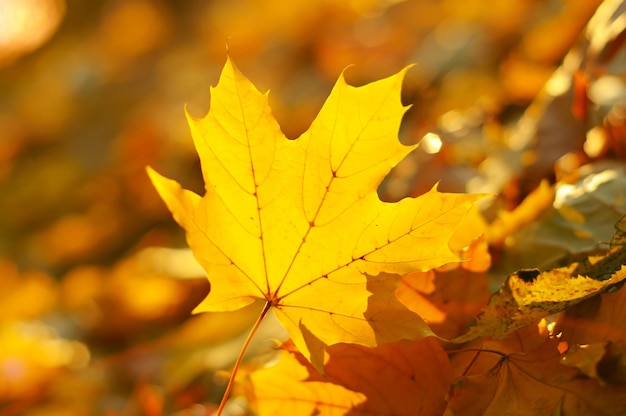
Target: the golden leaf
(298, 223)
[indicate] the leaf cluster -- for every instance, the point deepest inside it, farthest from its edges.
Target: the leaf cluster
(96, 313)
(368, 291)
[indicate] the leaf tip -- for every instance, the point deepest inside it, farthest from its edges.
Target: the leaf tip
(152, 174)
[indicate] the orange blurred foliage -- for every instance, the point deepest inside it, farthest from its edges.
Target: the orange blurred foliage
(94, 91)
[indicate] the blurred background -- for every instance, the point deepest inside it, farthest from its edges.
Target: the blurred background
(96, 286)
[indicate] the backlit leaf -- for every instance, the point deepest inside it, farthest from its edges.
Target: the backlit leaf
(298, 223)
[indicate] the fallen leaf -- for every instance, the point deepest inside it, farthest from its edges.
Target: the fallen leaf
(404, 378)
(530, 295)
(523, 374)
(298, 223)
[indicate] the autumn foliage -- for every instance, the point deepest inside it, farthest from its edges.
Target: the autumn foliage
(298, 224)
(445, 240)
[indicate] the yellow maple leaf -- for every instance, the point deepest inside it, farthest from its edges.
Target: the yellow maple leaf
(292, 388)
(298, 223)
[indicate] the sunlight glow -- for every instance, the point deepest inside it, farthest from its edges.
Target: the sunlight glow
(431, 143)
(607, 90)
(559, 83)
(568, 192)
(595, 141)
(25, 25)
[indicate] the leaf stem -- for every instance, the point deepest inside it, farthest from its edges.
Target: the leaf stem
(477, 351)
(231, 380)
